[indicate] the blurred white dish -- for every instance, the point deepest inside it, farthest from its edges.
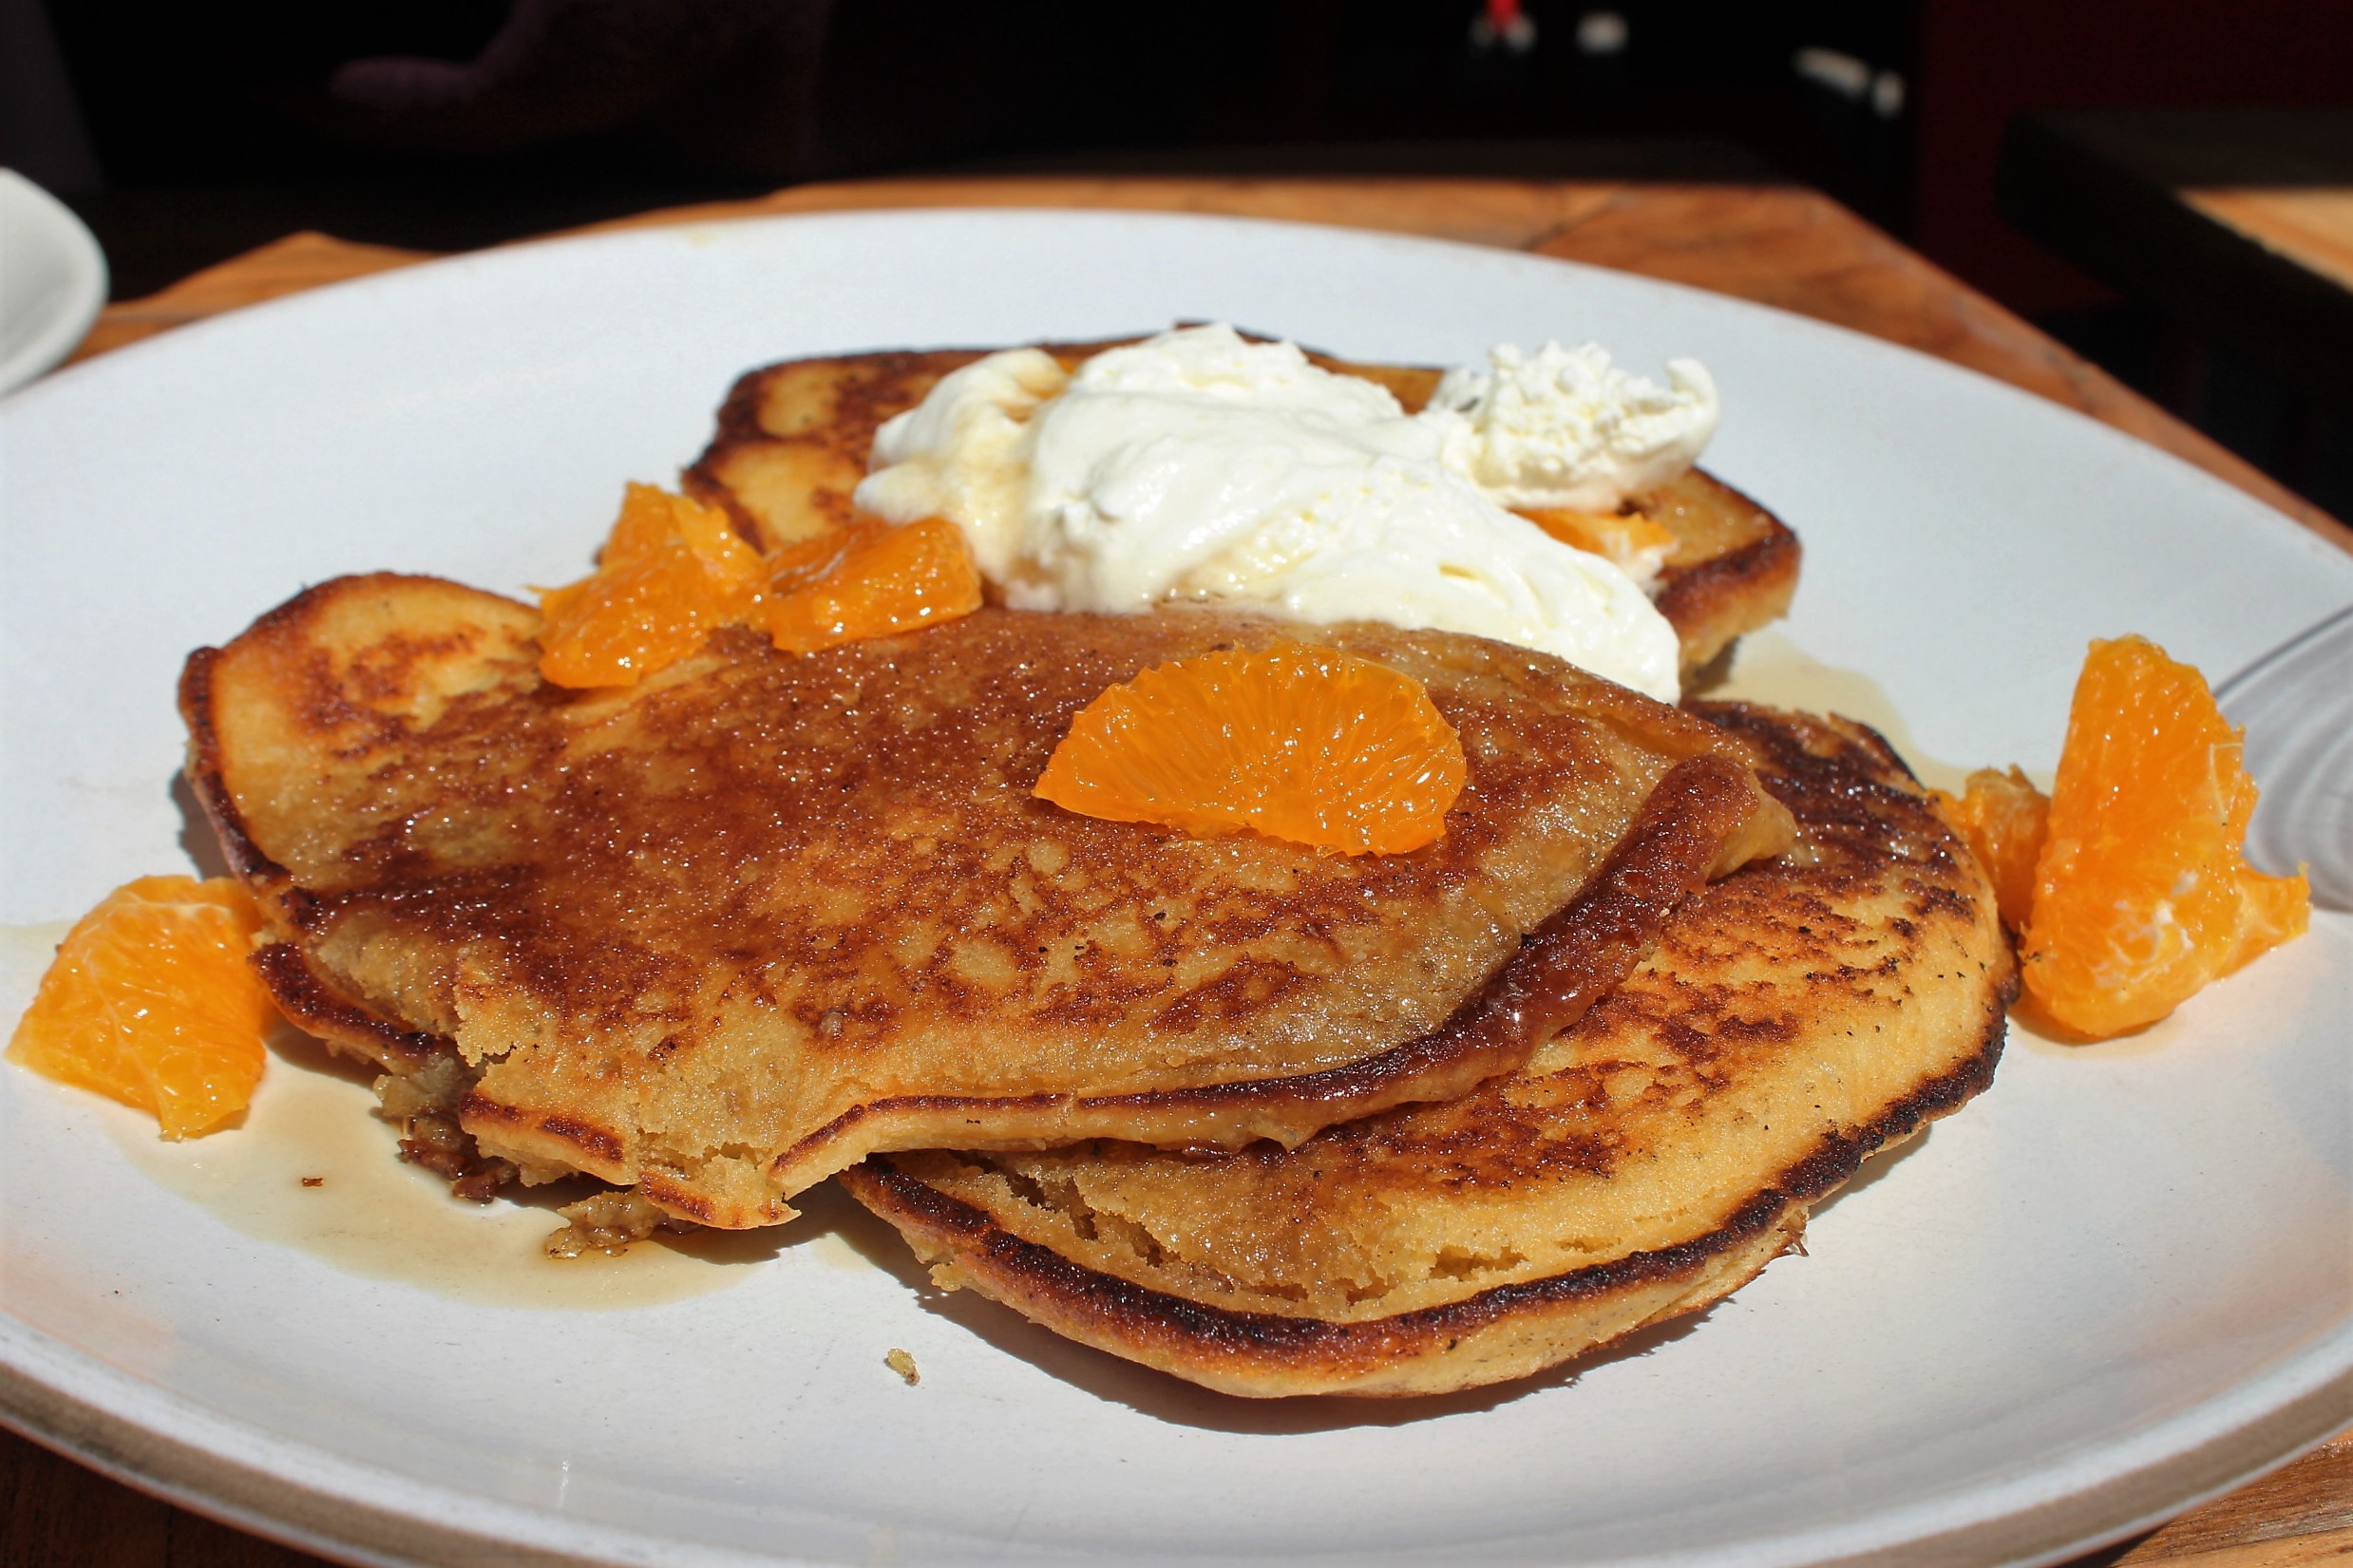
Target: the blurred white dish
(2297, 705)
(52, 280)
(2122, 1279)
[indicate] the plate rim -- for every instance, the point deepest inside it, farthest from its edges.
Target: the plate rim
(521, 252)
(28, 397)
(68, 1413)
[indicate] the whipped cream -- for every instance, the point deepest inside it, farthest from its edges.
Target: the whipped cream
(1564, 427)
(1199, 466)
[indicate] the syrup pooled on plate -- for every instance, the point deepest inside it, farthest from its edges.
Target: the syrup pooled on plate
(373, 1215)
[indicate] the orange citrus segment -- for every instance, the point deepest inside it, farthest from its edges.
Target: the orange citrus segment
(151, 1001)
(646, 526)
(1627, 540)
(808, 561)
(624, 623)
(2142, 890)
(1295, 741)
(870, 583)
(2003, 818)
(733, 568)
(672, 570)
(2275, 909)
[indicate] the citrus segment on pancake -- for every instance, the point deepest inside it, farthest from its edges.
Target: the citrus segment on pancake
(670, 572)
(1294, 742)
(870, 582)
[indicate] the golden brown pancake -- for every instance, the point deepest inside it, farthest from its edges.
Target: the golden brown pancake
(794, 439)
(1794, 1018)
(719, 934)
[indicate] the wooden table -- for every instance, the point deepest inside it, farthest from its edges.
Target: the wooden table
(1781, 246)
(2237, 223)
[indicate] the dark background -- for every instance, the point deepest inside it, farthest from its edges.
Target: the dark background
(187, 134)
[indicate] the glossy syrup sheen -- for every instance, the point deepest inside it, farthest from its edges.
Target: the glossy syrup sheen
(1769, 667)
(372, 1214)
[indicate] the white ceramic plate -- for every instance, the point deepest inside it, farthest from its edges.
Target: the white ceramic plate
(52, 280)
(2122, 1279)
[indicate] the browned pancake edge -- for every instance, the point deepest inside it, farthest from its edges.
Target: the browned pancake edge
(1512, 1330)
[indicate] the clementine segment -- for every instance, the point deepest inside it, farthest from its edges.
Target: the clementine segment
(2275, 909)
(805, 562)
(624, 623)
(1294, 742)
(732, 569)
(2142, 890)
(670, 572)
(1625, 538)
(2003, 818)
(151, 1001)
(646, 526)
(673, 570)
(870, 581)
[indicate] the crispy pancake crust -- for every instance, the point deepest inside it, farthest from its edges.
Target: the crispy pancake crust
(792, 441)
(1794, 1018)
(719, 934)
(318, 1009)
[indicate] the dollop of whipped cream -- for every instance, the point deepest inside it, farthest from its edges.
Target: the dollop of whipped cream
(1564, 427)
(1197, 466)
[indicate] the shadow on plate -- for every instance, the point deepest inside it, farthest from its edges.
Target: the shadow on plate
(197, 839)
(1170, 1399)
(1874, 1170)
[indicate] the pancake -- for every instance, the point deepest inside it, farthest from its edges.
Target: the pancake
(718, 936)
(1794, 1018)
(792, 441)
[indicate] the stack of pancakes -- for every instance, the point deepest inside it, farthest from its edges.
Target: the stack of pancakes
(1271, 1118)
